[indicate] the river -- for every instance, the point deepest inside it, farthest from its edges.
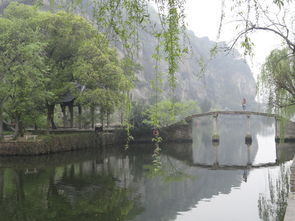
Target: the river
(203, 181)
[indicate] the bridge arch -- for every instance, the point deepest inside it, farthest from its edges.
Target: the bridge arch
(248, 114)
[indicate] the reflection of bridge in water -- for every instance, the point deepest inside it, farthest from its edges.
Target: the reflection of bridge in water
(232, 139)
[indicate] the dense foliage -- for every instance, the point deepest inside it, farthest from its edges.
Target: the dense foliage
(47, 56)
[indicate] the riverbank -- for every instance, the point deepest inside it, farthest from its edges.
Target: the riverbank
(53, 143)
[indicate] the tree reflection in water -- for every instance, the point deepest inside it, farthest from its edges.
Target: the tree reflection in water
(64, 193)
(273, 206)
(168, 171)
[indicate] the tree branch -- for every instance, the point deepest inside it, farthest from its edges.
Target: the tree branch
(290, 44)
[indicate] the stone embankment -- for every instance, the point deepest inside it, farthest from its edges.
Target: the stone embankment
(288, 131)
(54, 143)
(176, 133)
(290, 212)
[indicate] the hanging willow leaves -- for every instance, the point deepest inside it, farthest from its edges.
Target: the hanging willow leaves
(121, 20)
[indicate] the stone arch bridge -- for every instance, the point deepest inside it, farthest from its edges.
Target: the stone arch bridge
(246, 117)
(229, 138)
(183, 131)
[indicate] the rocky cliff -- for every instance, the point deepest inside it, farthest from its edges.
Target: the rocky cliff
(226, 79)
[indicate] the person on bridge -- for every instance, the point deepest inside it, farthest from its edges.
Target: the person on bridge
(244, 103)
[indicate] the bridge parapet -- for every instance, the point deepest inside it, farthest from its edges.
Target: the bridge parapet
(216, 113)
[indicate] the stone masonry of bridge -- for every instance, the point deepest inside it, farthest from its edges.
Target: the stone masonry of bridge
(288, 132)
(182, 131)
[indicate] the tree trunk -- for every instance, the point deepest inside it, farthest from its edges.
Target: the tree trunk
(64, 114)
(21, 128)
(108, 119)
(50, 116)
(48, 119)
(80, 117)
(122, 117)
(1, 122)
(101, 119)
(17, 126)
(71, 109)
(92, 110)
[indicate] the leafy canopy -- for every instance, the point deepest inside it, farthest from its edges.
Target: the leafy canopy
(45, 56)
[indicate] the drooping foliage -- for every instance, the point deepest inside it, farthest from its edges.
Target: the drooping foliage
(277, 80)
(251, 16)
(276, 17)
(120, 21)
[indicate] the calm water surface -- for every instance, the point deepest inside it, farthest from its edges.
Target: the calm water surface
(198, 181)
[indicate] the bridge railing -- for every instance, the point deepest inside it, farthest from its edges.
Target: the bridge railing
(232, 113)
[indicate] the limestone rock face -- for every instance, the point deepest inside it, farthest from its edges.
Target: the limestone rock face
(226, 79)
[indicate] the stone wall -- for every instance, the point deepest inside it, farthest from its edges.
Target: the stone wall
(290, 211)
(180, 132)
(60, 143)
(288, 132)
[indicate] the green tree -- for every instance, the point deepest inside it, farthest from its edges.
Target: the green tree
(277, 80)
(99, 70)
(75, 53)
(22, 65)
(4, 26)
(63, 34)
(166, 112)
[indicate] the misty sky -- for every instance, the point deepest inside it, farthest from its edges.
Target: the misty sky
(203, 18)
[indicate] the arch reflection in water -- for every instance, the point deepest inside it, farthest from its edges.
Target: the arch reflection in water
(243, 140)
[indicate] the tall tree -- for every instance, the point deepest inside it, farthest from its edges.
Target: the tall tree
(4, 26)
(23, 67)
(99, 70)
